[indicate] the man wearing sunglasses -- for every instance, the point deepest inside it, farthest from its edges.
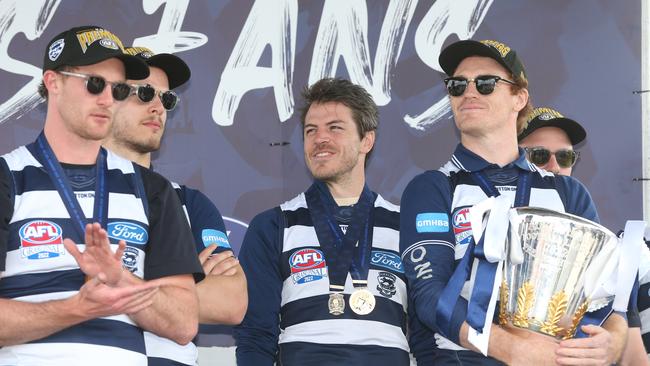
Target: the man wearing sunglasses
(94, 248)
(137, 132)
(488, 91)
(549, 138)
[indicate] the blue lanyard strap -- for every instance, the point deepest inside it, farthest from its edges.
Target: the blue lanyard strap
(349, 252)
(486, 271)
(59, 178)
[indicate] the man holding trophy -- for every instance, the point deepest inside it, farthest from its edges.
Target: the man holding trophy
(453, 275)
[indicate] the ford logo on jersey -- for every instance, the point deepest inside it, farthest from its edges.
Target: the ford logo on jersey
(387, 260)
(432, 222)
(41, 239)
(211, 236)
(127, 231)
(307, 265)
(461, 225)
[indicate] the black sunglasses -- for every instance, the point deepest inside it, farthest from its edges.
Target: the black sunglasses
(96, 84)
(146, 93)
(539, 156)
(485, 84)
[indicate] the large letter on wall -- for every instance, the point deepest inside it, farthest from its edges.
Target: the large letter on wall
(343, 33)
(29, 18)
(446, 17)
(270, 23)
(170, 38)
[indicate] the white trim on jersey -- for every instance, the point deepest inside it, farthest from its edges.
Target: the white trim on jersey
(347, 332)
(165, 348)
(69, 354)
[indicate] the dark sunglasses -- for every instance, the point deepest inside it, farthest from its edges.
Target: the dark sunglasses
(146, 93)
(539, 156)
(485, 84)
(96, 84)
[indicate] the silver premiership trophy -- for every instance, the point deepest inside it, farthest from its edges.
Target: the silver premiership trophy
(546, 293)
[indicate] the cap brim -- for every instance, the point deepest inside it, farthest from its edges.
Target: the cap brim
(455, 53)
(572, 128)
(178, 73)
(134, 68)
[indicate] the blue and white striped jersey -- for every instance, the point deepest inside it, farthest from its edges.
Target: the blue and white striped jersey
(435, 231)
(288, 285)
(37, 267)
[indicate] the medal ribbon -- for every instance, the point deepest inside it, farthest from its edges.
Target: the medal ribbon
(486, 272)
(338, 248)
(45, 155)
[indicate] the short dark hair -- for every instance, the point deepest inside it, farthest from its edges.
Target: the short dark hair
(363, 107)
(42, 90)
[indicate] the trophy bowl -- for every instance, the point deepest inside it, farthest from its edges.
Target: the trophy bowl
(546, 293)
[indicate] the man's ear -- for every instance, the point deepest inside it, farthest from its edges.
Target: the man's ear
(51, 81)
(522, 99)
(367, 142)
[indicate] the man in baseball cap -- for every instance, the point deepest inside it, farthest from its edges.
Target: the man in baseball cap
(488, 92)
(549, 138)
(137, 132)
(87, 238)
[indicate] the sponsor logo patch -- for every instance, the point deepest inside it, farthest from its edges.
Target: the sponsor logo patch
(127, 231)
(307, 265)
(130, 259)
(41, 239)
(461, 225)
(432, 222)
(108, 43)
(211, 236)
(386, 284)
(387, 260)
(56, 48)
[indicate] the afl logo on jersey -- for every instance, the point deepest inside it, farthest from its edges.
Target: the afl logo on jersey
(461, 225)
(41, 239)
(307, 265)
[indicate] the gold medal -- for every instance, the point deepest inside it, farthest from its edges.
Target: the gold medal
(362, 301)
(336, 303)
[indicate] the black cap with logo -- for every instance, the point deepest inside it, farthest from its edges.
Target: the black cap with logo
(87, 45)
(548, 117)
(178, 73)
(456, 52)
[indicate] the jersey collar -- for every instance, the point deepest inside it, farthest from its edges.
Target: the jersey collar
(468, 161)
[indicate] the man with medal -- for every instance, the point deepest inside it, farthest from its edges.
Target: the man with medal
(137, 131)
(95, 248)
(313, 264)
(450, 280)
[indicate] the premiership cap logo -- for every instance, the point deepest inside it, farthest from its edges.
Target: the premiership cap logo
(455, 53)
(548, 117)
(88, 45)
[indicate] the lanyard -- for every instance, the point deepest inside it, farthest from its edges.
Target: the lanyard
(349, 252)
(486, 271)
(60, 180)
